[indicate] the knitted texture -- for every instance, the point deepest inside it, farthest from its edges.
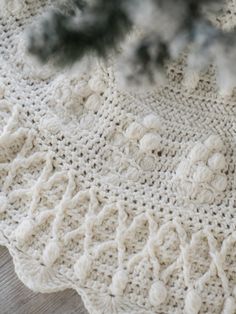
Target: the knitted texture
(127, 198)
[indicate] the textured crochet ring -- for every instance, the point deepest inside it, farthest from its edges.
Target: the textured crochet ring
(128, 199)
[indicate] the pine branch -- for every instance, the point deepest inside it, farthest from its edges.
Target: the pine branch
(169, 26)
(68, 37)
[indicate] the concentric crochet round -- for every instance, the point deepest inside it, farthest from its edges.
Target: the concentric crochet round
(129, 199)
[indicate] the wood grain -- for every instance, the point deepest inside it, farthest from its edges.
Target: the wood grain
(15, 298)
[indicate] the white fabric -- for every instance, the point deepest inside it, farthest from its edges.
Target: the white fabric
(128, 199)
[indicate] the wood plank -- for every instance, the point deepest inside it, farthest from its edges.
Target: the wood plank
(15, 298)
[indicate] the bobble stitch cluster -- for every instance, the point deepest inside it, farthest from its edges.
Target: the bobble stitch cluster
(201, 175)
(24, 230)
(157, 293)
(82, 268)
(51, 253)
(140, 140)
(146, 133)
(80, 98)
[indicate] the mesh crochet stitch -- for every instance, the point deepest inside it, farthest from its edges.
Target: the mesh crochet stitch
(129, 199)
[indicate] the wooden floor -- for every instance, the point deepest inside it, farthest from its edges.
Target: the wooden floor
(15, 298)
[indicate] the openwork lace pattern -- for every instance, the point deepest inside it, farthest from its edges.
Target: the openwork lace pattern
(130, 199)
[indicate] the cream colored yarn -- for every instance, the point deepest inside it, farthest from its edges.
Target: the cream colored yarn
(130, 200)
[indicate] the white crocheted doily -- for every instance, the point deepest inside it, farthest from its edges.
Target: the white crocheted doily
(128, 199)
